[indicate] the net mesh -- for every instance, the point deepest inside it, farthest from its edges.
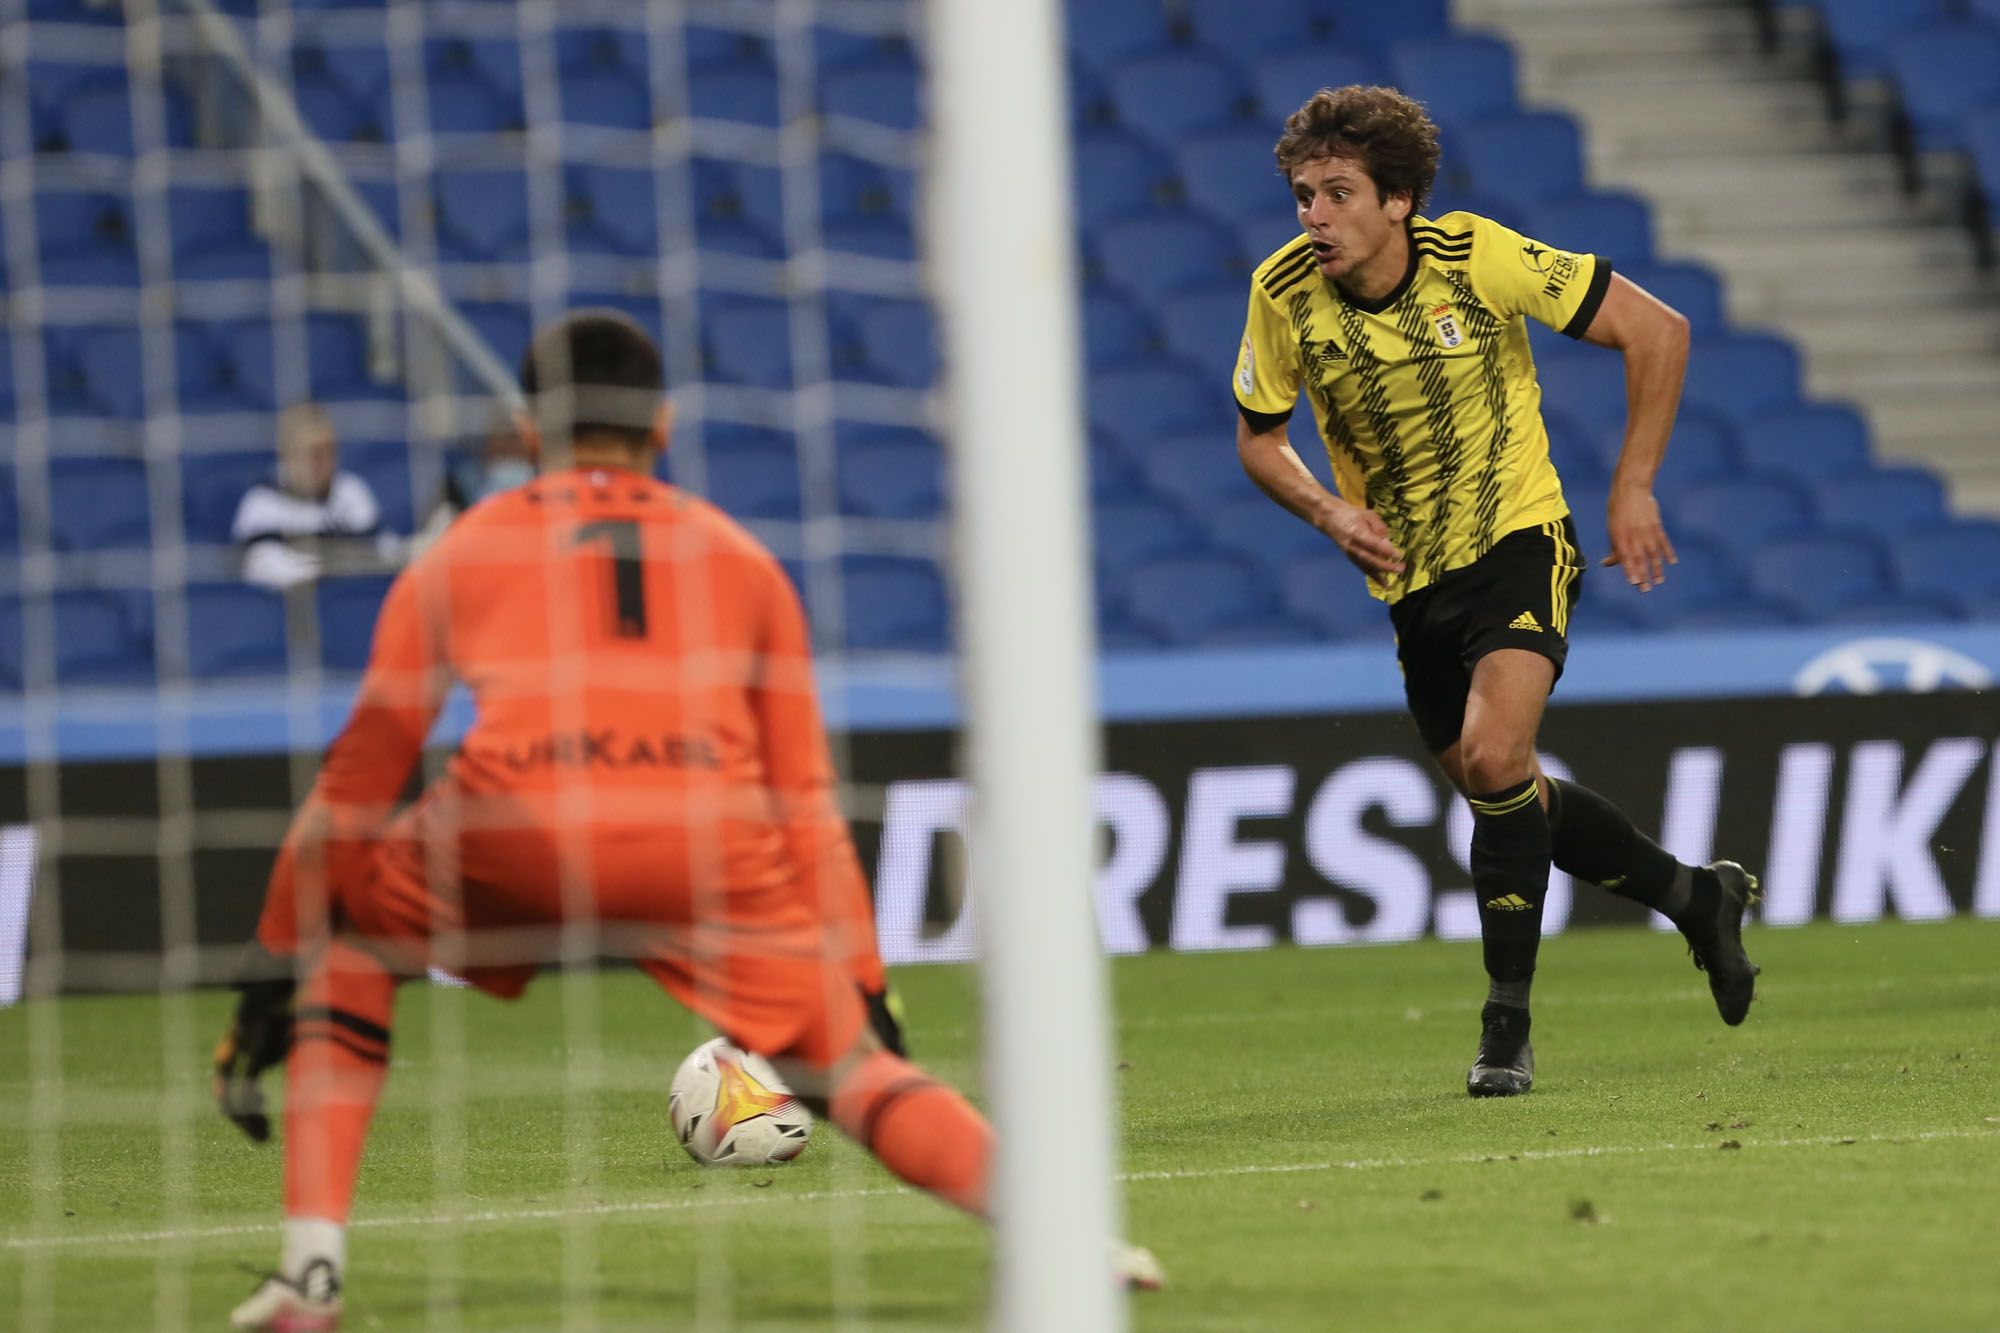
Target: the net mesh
(214, 211)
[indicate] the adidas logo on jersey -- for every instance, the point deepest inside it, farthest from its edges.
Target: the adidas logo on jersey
(1526, 620)
(1512, 902)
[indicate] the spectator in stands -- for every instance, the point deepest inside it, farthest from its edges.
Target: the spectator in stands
(499, 463)
(312, 511)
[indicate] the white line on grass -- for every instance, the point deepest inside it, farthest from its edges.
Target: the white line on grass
(508, 1216)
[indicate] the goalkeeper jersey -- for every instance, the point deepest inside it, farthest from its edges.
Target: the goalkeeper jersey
(1427, 399)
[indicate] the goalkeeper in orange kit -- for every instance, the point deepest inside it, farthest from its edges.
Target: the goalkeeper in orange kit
(647, 765)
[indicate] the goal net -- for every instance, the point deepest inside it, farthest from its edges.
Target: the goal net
(247, 238)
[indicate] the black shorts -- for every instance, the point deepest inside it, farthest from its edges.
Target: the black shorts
(1518, 595)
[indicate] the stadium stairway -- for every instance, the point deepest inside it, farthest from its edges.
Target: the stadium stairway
(1807, 220)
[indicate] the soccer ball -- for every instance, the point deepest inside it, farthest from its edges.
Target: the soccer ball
(729, 1108)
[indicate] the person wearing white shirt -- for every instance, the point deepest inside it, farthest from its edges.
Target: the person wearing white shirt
(288, 526)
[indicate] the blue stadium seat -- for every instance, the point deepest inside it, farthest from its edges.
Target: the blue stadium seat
(12, 642)
(1813, 442)
(1750, 613)
(1236, 29)
(1283, 80)
(753, 474)
(1860, 31)
(1582, 382)
(739, 208)
(1104, 31)
(1742, 375)
(227, 366)
(1587, 505)
(1959, 560)
(1190, 598)
(1258, 529)
(94, 370)
(1522, 158)
(1377, 25)
(343, 92)
(856, 189)
(1117, 632)
(881, 93)
(86, 238)
(98, 504)
(212, 485)
(337, 357)
(837, 48)
(76, 11)
(611, 210)
(474, 86)
(346, 607)
(1739, 513)
(745, 92)
(1706, 577)
(1232, 174)
(1459, 79)
(1116, 331)
(1199, 472)
(1942, 72)
(6, 365)
(1330, 593)
(1170, 94)
(506, 327)
(1571, 450)
(88, 109)
(1119, 175)
(1204, 325)
(1689, 288)
(1148, 401)
(1616, 225)
(889, 472)
(482, 216)
(893, 604)
(235, 630)
(1162, 252)
(1701, 449)
(212, 237)
(899, 339)
(385, 466)
(603, 78)
(103, 637)
(1126, 533)
(1894, 501)
(1818, 575)
(1989, 10)
(10, 507)
(1111, 476)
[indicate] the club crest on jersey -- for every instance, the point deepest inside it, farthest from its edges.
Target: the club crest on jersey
(1246, 368)
(1446, 324)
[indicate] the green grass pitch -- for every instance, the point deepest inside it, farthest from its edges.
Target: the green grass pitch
(1298, 1149)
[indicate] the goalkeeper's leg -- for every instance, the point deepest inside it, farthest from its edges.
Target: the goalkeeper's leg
(339, 1062)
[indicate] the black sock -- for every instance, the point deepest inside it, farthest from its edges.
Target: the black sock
(1593, 840)
(1510, 877)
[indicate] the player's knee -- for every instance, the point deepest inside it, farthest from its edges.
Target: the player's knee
(1495, 763)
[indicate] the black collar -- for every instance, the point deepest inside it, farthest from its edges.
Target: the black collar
(1396, 293)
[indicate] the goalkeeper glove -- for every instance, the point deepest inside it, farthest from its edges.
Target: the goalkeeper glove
(885, 1016)
(259, 1037)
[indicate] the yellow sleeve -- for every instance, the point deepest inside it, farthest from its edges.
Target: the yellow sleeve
(1267, 364)
(1518, 276)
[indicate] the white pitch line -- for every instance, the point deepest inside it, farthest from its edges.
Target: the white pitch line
(508, 1216)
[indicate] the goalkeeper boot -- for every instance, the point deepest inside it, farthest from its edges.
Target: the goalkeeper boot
(1135, 1267)
(280, 1305)
(1713, 926)
(1505, 1065)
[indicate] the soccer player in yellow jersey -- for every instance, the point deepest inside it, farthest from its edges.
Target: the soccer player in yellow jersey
(1407, 336)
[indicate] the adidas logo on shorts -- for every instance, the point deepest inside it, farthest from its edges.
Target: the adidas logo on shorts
(1512, 902)
(1526, 620)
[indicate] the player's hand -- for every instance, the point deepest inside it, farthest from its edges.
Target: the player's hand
(1638, 539)
(258, 1037)
(1364, 538)
(885, 1018)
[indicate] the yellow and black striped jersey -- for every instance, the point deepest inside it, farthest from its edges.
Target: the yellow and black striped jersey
(1427, 400)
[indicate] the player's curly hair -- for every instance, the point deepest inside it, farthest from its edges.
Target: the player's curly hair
(1385, 131)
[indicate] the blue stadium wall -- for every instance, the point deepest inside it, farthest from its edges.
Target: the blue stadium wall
(1248, 797)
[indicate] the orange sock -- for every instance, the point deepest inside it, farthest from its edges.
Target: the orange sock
(917, 1127)
(340, 1057)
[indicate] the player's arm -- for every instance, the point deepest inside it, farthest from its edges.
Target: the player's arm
(799, 768)
(1653, 338)
(365, 770)
(1266, 453)
(1267, 385)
